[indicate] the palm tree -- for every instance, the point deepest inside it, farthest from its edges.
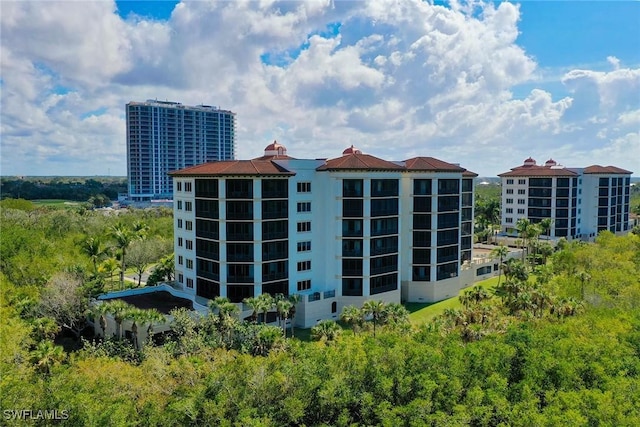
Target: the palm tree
(396, 315)
(45, 328)
(226, 315)
(136, 315)
(108, 266)
(295, 299)
(120, 311)
(353, 316)
(326, 330)
(123, 237)
(284, 308)
(140, 229)
(253, 304)
(100, 311)
(376, 310)
(167, 267)
(265, 303)
(492, 213)
(583, 276)
(533, 232)
(546, 250)
(152, 316)
(46, 355)
(92, 247)
(501, 252)
(521, 227)
(545, 226)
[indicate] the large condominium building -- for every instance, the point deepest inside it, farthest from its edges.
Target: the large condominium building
(167, 136)
(337, 232)
(580, 202)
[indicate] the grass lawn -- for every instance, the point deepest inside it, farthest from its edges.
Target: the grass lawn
(422, 313)
(55, 203)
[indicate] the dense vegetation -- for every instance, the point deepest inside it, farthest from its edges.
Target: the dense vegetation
(554, 344)
(100, 190)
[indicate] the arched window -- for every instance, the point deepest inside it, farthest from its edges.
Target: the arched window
(334, 307)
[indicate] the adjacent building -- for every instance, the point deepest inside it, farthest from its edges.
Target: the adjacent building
(336, 231)
(167, 136)
(580, 202)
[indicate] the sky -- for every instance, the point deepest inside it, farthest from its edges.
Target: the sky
(482, 84)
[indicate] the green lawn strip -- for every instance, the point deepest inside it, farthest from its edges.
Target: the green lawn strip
(422, 313)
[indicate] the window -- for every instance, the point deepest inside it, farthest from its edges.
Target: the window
(509, 201)
(304, 187)
(448, 186)
(352, 208)
(352, 248)
(179, 242)
(521, 201)
(304, 226)
(509, 181)
(304, 265)
(422, 187)
(274, 250)
(189, 283)
(522, 181)
(508, 220)
(304, 285)
(509, 210)
(351, 228)
(240, 252)
(190, 264)
(179, 205)
(240, 210)
(351, 267)
(187, 187)
(239, 231)
(180, 278)
(273, 209)
(188, 206)
(352, 188)
(179, 185)
(180, 260)
(352, 286)
(275, 189)
(179, 223)
(304, 206)
(520, 211)
(304, 246)
(239, 189)
(522, 191)
(189, 245)
(509, 190)
(188, 225)
(272, 230)
(384, 187)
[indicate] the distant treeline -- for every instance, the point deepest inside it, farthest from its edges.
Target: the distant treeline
(75, 189)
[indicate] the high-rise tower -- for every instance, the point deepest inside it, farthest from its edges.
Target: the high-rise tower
(167, 136)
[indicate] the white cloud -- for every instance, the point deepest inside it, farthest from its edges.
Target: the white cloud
(400, 78)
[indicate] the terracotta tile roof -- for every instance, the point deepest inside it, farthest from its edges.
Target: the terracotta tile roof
(469, 174)
(359, 161)
(597, 169)
(431, 164)
(234, 167)
(539, 171)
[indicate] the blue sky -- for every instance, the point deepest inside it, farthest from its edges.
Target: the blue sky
(484, 84)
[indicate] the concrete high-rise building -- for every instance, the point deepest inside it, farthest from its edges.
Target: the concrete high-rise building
(580, 202)
(337, 232)
(167, 136)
